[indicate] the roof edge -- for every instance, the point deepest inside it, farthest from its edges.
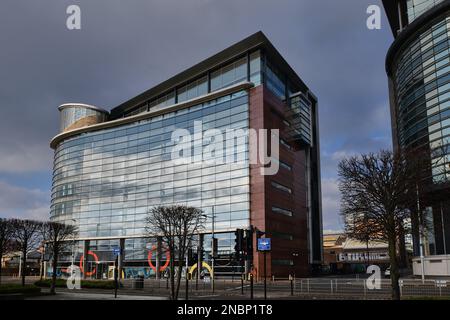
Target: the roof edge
(419, 23)
(149, 114)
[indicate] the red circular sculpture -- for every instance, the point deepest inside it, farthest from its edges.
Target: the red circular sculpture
(89, 273)
(150, 263)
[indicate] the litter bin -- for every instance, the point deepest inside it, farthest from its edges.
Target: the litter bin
(138, 283)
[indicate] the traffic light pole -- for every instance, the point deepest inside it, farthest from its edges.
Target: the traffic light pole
(213, 251)
(186, 276)
(265, 276)
(116, 274)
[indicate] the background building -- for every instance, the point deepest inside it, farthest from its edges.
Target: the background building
(111, 168)
(346, 255)
(418, 67)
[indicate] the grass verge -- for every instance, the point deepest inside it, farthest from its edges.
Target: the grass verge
(17, 288)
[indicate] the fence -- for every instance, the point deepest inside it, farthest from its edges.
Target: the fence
(359, 288)
(338, 288)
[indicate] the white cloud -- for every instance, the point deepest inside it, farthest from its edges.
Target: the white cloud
(19, 158)
(19, 202)
(341, 154)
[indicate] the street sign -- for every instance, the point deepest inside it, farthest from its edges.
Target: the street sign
(116, 251)
(264, 244)
(441, 283)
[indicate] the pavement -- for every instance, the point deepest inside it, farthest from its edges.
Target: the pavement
(83, 295)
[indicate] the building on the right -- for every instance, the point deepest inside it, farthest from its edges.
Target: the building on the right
(418, 68)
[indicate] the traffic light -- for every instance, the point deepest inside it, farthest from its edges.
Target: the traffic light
(238, 240)
(248, 242)
(215, 246)
(192, 256)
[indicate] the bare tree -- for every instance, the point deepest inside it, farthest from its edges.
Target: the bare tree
(57, 237)
(6, 237)
(375, 184)
(177, 225)
(27, 235)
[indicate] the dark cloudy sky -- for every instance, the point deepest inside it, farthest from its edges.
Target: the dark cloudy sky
(126, 47)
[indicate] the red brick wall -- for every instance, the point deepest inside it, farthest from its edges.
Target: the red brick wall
(266, 111)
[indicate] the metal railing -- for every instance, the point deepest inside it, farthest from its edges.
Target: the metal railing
(302, 288)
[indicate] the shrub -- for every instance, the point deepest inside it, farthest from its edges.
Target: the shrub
(89, 284)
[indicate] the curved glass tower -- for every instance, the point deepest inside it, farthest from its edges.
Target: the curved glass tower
(418, 67)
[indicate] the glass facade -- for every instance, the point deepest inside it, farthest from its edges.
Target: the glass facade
(107, 180)
(300, 119)
(274, 81)
(422, 81)
(230, 74)
(243, 69)
(73, 113)
(253, 67)
(418, 7)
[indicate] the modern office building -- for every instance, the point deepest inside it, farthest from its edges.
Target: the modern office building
(111, 168)
(418, 68)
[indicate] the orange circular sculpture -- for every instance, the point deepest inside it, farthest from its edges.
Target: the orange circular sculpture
(150, 263)
(89, 273)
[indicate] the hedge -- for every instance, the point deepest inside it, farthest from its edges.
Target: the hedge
(89, 284)
(17, 288)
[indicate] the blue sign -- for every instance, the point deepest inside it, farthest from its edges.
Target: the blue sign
(264, 244)
(116, 251)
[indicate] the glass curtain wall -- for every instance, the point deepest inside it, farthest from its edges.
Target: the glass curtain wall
(422, 80)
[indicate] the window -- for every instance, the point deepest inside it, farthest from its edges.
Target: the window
(230, 74)
(282, 235)
(285, 144)
(274, 81)
(282, 262)
(255, 68)
(282, 211)
(193, 90)
(281, 187)
(285, 165)
(163, 101)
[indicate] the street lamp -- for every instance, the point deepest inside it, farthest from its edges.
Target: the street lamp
(73, 249)
(212, 248)
(294, 255)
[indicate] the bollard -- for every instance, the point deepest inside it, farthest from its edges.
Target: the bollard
(365, 289)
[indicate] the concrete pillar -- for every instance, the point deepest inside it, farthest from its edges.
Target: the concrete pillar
(158, 257)
(199, 255)
(121, 258)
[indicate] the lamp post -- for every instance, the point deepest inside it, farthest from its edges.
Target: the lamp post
(295, 256)
(212, 247)
(73, 249)
(213, 250)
